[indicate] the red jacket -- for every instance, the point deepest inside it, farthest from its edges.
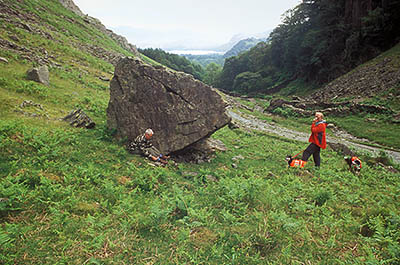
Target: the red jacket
(318, 134)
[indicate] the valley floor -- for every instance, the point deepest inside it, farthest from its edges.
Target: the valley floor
(251, 122)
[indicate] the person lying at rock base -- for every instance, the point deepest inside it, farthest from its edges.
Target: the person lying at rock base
(143, 145)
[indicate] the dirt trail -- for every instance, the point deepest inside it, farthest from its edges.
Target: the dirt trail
(251, 122)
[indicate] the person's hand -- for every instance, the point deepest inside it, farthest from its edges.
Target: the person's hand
(164, 161)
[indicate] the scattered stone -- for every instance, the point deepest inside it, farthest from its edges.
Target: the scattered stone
(28, 103)
(105, 79)
(391, 169)
(39, 74)
(56, 65)
(236, 158)
(189, 175)
(78, 118)
(233, 125)
(331, 126)
(373, 120)
(26, 27)
(38, 110)
(306, 108)
(234, 165)
(3, 60)
(180, 109)
(14, 38)
(396, 118)
(211, 178)
(366, 81)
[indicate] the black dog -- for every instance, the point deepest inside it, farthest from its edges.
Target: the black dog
(354, 164)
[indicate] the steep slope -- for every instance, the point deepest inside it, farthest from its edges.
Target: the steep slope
(378, 78)
(78, 53)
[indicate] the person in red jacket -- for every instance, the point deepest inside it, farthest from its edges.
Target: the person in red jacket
(317, 139)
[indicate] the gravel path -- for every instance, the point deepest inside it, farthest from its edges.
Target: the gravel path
(250, 122)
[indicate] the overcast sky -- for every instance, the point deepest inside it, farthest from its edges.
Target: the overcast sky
(157, 22)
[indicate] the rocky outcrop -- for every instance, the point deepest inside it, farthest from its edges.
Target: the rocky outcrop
(39, 74)
(180, 109)
(122, 41)
(307, 107)
(365, 81)
(69, 4)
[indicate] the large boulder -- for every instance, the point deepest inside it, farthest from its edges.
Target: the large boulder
(180, 109)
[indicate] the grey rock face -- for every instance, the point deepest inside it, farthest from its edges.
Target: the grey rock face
(179, 109)
(39, 74)
(69, 4)
(121, 40)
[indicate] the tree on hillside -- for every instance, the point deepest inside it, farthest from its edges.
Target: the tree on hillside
(317, 41)
(212, 73)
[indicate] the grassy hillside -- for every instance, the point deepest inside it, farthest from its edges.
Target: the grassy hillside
(75, 196)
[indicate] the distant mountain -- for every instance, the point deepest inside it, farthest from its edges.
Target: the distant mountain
(241, 46)
(238, 37)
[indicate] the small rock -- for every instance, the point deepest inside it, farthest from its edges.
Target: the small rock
(211, 178)
(105, 79)
(234, 165)
(78, 118)
(190, 175)
(14, 38)
(331, 126)
(232, 125)
(236, 158)
(3, 60)
(391, 169)
(28, 103)
(27, 27)
(373, 120)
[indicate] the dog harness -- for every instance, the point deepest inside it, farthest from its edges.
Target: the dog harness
(298, 163)
(356, 162)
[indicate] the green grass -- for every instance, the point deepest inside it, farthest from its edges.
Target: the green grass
(382, 131)
(81, 197)
(76, 196)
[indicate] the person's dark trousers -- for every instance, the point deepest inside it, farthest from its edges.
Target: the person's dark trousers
(314, 150)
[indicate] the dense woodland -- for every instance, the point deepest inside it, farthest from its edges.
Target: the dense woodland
(317, 41)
